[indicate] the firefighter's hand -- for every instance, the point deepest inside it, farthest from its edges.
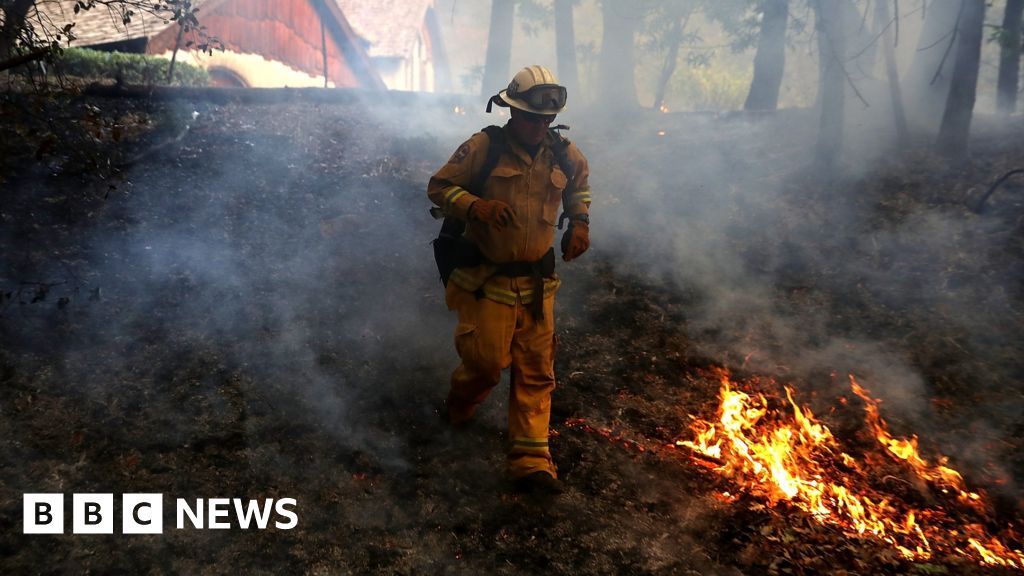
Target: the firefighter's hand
(575, 241)
(493, 213)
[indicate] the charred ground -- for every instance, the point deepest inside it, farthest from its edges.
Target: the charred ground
(241, 302)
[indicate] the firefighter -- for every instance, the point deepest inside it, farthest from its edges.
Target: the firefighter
(505, 295)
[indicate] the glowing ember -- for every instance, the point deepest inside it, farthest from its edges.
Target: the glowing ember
(788, 456)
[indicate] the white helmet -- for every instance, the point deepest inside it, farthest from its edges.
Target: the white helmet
(533, 89)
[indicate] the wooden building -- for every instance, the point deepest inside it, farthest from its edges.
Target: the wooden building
(404, 41)
(267, 43)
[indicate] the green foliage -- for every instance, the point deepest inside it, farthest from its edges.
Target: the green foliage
(128, 68)
(535, 16)
(708, 88)
(667, 24)
(740, 19)
(1002, 37)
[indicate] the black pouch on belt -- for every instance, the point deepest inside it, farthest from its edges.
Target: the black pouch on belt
(452, 250)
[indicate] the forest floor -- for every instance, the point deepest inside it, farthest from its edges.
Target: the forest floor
(237, 300)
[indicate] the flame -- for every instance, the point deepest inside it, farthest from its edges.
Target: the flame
(906, 450)
(794, 458)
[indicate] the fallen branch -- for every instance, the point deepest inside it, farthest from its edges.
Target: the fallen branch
(979, 204)
(36, 54)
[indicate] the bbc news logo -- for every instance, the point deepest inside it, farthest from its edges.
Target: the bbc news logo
(143, 513)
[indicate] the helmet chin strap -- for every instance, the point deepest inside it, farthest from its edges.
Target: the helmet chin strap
(491, 101)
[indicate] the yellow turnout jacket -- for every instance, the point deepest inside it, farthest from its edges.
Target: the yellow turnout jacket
(532, 186)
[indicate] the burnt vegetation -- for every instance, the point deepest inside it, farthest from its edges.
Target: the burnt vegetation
(229, 293)
(235, 300)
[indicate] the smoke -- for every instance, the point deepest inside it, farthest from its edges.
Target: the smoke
(875, 269)
(803, 274)
(811, 275)
(276, 270)
(282, 267)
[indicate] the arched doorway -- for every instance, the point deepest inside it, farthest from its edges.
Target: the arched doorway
(226, 78)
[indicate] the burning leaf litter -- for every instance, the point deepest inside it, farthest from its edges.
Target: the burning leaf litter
(790, 457)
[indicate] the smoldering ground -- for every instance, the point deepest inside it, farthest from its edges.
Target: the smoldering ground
(808, 275)
(253, 312)
(269, 322)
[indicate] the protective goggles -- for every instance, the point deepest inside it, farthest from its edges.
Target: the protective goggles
(542, 97)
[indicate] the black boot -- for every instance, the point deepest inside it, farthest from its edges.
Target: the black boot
(538, 482)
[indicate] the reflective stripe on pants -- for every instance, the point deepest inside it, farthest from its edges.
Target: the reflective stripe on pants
(490, 337)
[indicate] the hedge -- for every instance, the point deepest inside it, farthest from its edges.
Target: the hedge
(130, 68)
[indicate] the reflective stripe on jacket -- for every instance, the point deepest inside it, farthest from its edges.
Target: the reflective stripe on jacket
(532, 187)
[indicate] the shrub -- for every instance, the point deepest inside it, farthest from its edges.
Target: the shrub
(131, 68)
(709, 88)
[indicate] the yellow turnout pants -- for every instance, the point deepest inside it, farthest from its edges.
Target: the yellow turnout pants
(490, 337)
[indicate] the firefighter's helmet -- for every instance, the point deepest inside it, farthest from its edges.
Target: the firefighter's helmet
(533, 89)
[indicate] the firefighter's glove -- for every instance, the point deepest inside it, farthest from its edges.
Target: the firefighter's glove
(575, 240)
(493, 213)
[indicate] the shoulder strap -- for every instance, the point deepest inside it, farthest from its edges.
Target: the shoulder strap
(453, 227)
(495, 149)
(561, 150)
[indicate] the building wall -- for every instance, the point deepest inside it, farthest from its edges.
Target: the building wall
(286, 33)
(414, 72)
(254, 70)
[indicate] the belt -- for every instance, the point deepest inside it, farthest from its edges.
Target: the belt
(546, 266)
(538, 271)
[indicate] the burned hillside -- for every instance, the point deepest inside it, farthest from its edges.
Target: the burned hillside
(238, 300)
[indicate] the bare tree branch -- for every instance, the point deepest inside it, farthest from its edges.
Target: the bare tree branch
(949, 47)
(36, 54)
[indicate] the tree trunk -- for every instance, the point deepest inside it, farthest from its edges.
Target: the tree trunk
(831, 52)
(442, 67)
(15, 13)
(854, 39)
(883, 22)
(499, 47)
(174, 54)
(928, 79)
(669, 67)
(1009, 57)
(770, 60)
(565, 46)
(617, 80)
(956, 121)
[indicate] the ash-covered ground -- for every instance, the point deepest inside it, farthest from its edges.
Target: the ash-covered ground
(239, 300)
